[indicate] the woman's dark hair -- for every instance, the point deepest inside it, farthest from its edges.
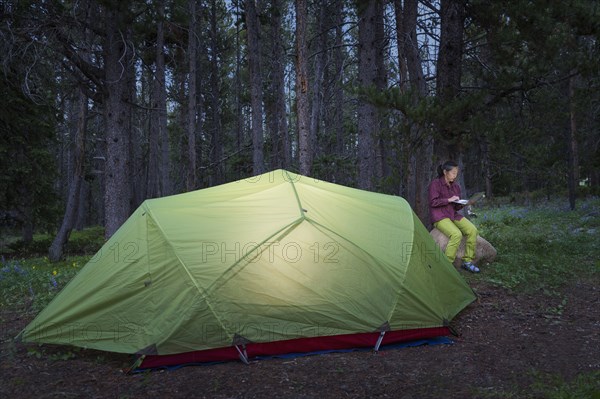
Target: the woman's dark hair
(446, 166)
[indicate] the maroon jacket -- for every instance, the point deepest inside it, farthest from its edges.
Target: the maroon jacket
(439, 207)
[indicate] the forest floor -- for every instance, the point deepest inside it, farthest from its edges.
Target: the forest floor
(524, 345)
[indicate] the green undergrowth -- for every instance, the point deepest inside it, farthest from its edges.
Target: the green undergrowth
(87, 241)
(549, 386)
(27, 285)
(28, 280)
(543, 246)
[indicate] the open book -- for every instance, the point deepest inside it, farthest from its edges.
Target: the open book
(474, 198)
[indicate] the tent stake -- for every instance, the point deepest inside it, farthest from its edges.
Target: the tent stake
(379, 341)
(243, 355)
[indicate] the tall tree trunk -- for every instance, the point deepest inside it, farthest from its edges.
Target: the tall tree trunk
(338, 90)
(573, 159)
(316, 110)
(367, 75)
(421, 162)
(56, 249)
(155, 161)
(83, 209)
(305, 150)
(117, 55)
(153, 168)
(278, 118)
(448, 83)
(160, 94)
(218, 174)
(239, 125)
(252, 24)
(381, 148)
(407, 160)
(191, 178)
(137, 163)
(414, 66)
(485, 160)
(401, 39)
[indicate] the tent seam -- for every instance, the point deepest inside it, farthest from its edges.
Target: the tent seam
(203, 293)
(296, 194)
(287, 226)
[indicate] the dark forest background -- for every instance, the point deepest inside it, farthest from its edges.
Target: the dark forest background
(106, 103)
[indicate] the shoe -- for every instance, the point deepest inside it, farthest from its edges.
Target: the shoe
(470, 266)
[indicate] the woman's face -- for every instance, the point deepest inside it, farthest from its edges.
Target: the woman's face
(451, 175)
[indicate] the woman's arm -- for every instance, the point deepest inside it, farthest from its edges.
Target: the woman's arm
(436, 199)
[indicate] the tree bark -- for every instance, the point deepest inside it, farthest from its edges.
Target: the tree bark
(154, 163)
(191, 178)
(137, 161)
(573, 159)
(414, 66)
(401, 39)
(421, 162)
(56, 249)
(367, 75)
(382, 168)
(278, 118)
(239, 126)
(305, 149)
(158, 120)
(316, 110)
(485, 160)
(117, 55)
(252, 24)
(338, 90)
(218, 173)
(449, 72)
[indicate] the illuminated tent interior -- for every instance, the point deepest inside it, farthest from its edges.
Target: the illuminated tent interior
(272, 264)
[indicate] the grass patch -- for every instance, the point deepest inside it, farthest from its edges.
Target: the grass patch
(549, 386)
(29, 285)
(543, 247)
(553, 386)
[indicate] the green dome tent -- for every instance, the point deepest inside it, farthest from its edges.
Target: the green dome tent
(277, 258)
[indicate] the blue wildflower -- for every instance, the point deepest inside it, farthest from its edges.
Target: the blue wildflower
(19, 270)
(53, 281)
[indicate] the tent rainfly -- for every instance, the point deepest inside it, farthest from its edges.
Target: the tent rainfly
(272, 264)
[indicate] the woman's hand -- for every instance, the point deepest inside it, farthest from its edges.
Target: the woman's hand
(452, 199)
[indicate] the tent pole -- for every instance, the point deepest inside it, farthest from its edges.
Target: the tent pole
(379, 341)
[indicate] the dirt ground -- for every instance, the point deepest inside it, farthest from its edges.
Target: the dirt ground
(505, 339)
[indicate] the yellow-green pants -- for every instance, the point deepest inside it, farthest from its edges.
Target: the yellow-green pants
(455, 230)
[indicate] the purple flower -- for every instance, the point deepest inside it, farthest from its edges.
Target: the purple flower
(19, 270)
